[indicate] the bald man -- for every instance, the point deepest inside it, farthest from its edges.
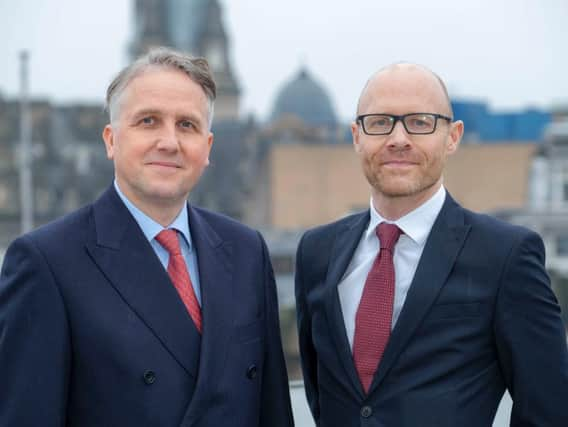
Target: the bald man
(419, 312)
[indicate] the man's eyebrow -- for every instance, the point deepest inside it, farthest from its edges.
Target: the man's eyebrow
(195, 118)
(146, 112)
(192, 117)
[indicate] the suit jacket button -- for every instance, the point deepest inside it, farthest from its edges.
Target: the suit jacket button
(149, 377)
(251, 372)
(366, 411)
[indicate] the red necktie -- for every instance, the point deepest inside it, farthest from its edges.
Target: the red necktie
(179, 274)
(374, 314)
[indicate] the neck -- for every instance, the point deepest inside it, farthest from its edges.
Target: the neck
(163, 214)
(392, 208)
(162, 210)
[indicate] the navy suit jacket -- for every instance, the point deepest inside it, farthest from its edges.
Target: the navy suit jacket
(93, 333)
(479, 317)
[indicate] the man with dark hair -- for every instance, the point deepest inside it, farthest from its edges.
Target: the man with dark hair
(419, 312)
(140, 309)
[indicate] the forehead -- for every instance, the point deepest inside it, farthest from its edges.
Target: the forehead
(163, 89)
(404, 89)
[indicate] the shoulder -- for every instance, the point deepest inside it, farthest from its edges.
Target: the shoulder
(495, 239)
(496, 229)
(53, 242)
(62, 231)
(330, 230)
(320, 239)
(225, 227)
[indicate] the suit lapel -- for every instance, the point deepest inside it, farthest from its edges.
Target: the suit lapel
(440, 252)
(214, 258)
(346, 242)
(126, 258)
(216, 276)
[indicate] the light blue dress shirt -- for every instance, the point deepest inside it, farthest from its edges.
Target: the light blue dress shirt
(151, 229)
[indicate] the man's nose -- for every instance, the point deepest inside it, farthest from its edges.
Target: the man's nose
(399, 136)
(168, 138)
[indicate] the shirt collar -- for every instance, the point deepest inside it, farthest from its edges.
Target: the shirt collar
(151, 228)
(417, 223)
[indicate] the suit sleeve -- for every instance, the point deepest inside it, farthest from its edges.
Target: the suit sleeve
(307, 350)
(531, 339)
(275, 406)
(34, 345)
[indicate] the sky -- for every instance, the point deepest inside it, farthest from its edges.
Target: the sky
(511, 54)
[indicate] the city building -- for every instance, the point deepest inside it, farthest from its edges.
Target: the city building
(488, 127)
(546, 210)
(296, 170)
(68, 161)
(196, 27)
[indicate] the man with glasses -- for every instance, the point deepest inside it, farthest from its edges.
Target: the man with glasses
(419, 312)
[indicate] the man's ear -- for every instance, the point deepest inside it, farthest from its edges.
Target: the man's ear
(455, 136)
(108, 138)
(356, 137)
(210, 139)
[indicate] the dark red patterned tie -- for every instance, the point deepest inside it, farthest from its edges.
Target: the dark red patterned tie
(374, 314)
(179, 274)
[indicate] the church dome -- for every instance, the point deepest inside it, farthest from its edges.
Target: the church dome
(306, 99)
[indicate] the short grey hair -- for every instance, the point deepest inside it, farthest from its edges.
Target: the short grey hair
(197, 69)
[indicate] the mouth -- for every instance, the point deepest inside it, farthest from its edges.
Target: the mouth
(398, 163)
(164, 164)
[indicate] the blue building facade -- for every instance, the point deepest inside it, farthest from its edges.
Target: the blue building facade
(485, 126)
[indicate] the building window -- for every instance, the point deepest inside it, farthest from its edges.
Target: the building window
(562, 245)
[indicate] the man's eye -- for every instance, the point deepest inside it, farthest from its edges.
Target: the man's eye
(421, 122)
(147, 121)
(186, 124)
(377, 122)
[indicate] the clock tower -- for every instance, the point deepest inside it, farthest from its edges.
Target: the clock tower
(196, 27)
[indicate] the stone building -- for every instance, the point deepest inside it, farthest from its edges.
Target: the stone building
(68, 161)
(296, 170)
(546, 210)
(192, 26)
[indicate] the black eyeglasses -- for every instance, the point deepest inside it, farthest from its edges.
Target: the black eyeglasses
(414, 123)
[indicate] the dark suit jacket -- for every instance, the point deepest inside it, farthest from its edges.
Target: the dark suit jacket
(93, 333)
(479, 317)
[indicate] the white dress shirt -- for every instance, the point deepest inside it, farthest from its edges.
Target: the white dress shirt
(416, 226)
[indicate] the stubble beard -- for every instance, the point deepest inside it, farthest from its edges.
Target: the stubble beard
(400, 185)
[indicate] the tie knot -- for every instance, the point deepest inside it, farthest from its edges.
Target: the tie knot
(169, 240)
(388, 235)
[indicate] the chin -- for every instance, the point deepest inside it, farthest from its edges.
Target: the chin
(404, 189)
(395, 192)
(395, 187)
(171, 194)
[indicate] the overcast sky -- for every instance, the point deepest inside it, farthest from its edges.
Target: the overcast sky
(510, 53)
